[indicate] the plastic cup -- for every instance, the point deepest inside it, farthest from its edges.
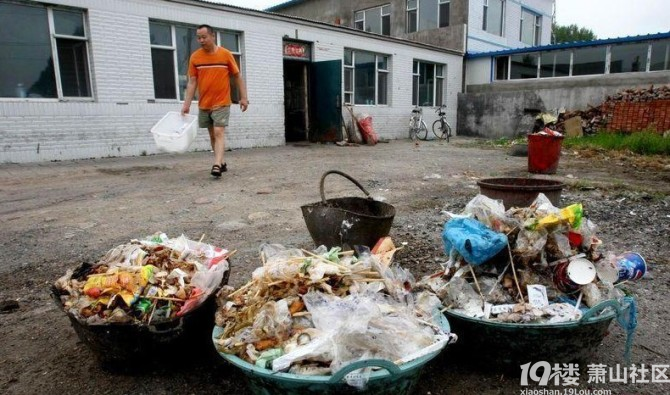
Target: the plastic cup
(561, 279)
(581, 271)
(631, 266)
(607, 271)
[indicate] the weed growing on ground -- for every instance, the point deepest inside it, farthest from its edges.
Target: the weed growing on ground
(643, 143)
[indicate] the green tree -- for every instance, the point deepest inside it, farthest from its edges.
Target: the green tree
(570, 33)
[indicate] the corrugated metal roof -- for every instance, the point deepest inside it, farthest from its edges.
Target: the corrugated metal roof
(574, 44)
(269, 9)
(284, 5)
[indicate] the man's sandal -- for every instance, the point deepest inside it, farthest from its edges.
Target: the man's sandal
(224, 167)
(216, 171)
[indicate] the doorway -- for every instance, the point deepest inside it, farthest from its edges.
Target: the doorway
(296, 99)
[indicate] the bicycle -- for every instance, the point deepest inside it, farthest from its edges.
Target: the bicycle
(441, 128)
(417, 126)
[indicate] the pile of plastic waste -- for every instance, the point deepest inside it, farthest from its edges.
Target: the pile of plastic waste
(536, 264)
(144, 282)
(314, 312)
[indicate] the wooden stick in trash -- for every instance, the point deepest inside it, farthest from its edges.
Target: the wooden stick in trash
(164, 298)
(516, 280)
(500, 277)
(242, 288)
(153, 310)
(579, 300)
(322, 259)
(476, 282)
(231, 253)
(446, 308)
(201, 238)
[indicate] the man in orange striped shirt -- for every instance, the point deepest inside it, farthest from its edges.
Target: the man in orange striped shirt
(209, 69)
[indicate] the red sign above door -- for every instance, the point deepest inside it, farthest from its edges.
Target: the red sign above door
(297, 50)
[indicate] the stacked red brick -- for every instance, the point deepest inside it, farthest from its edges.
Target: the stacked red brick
(640, 109)
(631, 110)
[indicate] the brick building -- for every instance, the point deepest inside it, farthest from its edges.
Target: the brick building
(467, 25)
(89, 78)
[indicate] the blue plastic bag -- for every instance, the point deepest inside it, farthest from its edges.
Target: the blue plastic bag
(472, 240)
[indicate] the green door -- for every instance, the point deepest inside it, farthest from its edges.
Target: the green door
(325, 101)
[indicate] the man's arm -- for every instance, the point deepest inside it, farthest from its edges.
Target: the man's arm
(188, 96)
(242, 88)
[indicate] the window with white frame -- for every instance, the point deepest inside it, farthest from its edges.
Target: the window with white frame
(427, 83)
(628, 58)
(412, 16)
(531, 27)
(171, 49)
(427, 14)
(374, 20)
(494, 14)
(443, 12)
(660, 56)
(365, 78)
(43, 52)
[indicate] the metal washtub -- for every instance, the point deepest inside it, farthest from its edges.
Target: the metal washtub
(347, 221)
(520, 191)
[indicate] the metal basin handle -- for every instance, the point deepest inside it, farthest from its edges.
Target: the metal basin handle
(350, 178)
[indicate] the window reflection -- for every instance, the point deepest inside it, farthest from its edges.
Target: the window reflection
(590, 60)
(628, 58)
(29, 71)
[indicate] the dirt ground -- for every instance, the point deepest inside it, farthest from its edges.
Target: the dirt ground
(57, 215)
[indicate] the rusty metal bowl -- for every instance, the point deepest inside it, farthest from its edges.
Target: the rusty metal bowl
(520, 191)
(347, 221)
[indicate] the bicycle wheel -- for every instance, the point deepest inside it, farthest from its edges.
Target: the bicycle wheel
(441, 132)
(412, 131)
(422, 131)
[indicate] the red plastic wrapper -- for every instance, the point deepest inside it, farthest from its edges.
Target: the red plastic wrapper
(365, 126)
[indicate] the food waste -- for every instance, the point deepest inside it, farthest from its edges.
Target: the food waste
(535, 264)
(144, 282)
(314, 312)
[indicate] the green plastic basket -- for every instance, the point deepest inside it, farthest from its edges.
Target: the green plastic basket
(390, 379)
(506, 346)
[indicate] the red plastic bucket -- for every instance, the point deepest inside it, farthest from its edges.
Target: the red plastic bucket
(543, 153)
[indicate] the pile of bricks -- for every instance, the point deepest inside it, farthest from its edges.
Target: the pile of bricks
(631, 110)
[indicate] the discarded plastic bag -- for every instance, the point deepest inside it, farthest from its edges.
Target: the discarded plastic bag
(364, 122)
(473, 240)
(490, 212)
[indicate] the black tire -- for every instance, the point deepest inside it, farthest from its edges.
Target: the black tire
(439, 133)
(422, 131)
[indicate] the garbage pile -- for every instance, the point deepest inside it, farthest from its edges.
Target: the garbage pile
(314, 312)
(144, 281)
(546, 125)
(536, 264)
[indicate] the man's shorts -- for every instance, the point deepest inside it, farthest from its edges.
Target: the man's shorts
(217, 117)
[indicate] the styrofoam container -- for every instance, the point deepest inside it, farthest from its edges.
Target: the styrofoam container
(174, 132)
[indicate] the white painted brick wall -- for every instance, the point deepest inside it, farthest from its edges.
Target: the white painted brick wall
(117, 122)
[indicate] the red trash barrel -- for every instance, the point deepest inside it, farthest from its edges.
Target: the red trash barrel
(543, 153)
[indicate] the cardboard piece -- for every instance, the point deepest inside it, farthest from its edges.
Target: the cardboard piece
(573, 127)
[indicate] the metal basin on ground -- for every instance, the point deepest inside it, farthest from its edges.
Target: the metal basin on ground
(347, 221)
(520, 191)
